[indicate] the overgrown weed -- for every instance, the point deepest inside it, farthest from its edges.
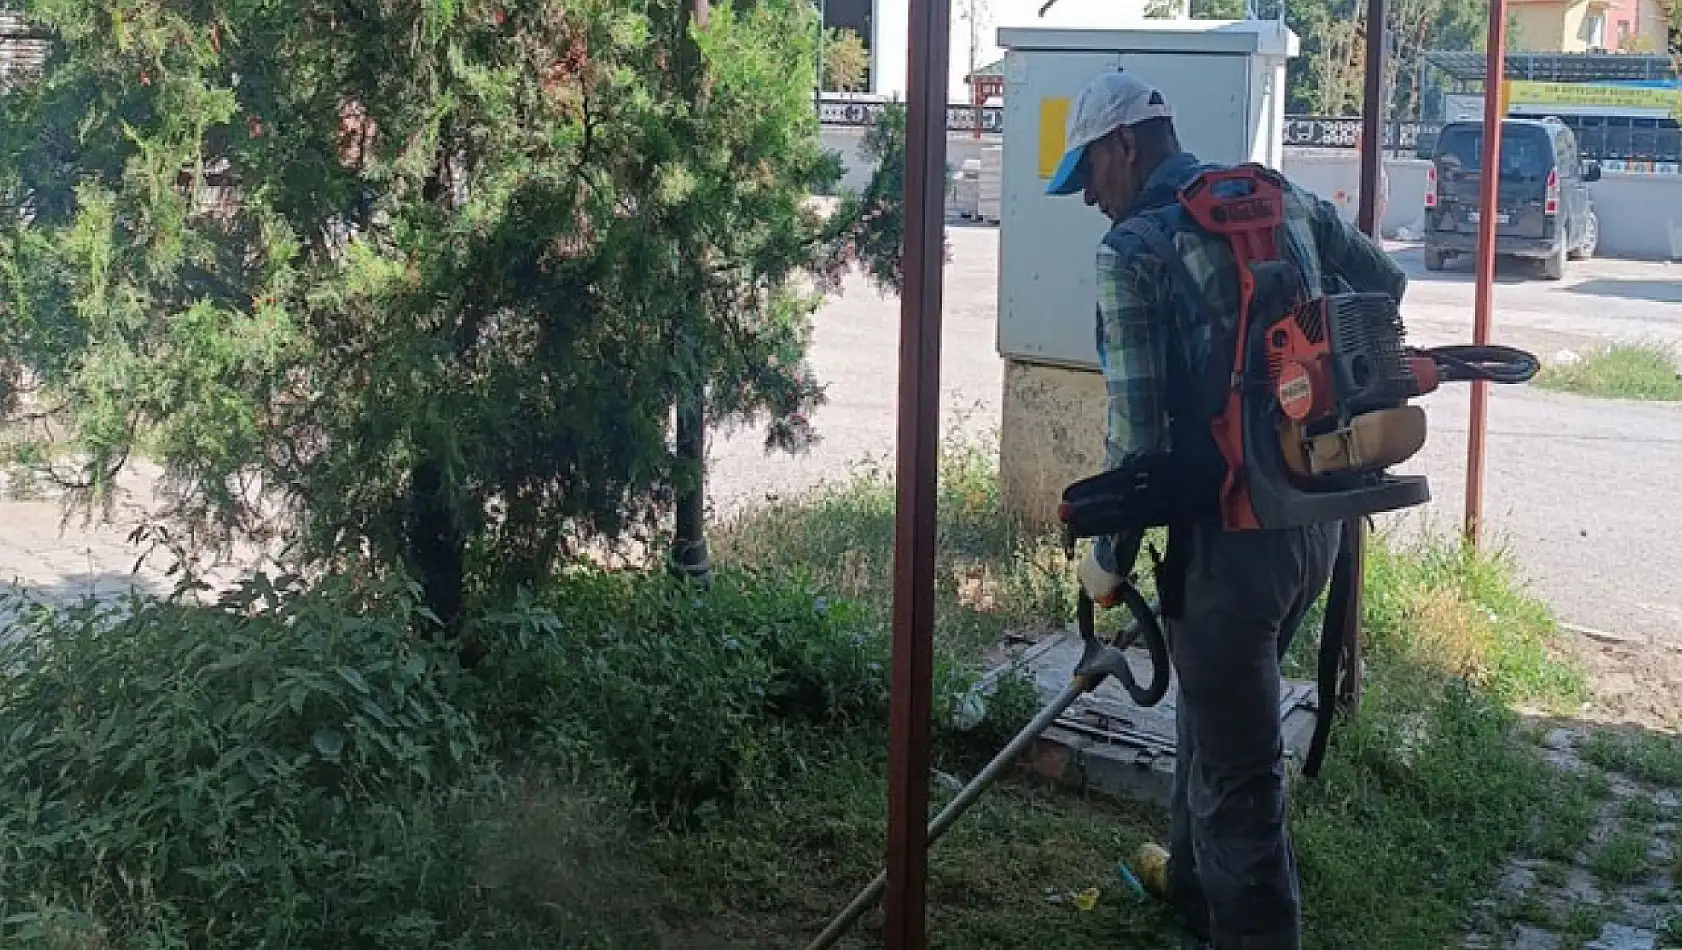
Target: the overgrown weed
(1640, 370)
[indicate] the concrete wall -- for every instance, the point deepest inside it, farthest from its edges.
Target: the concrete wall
(1640, 216)
(959, 146)
(1335, 174)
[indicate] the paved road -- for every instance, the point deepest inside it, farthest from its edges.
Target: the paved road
(1579, 489)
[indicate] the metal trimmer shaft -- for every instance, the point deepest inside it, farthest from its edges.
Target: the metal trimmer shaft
(965, 798)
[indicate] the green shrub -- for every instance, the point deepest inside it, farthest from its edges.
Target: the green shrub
(698, 697)
(276, 771)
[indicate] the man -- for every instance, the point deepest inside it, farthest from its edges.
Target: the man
(1231, 873)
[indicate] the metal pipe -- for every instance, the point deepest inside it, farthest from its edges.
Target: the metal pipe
(1354, 541)
(1489, 184)
(1372, 119)
(923, 250)
(958, 805)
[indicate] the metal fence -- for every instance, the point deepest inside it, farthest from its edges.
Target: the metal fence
(1622, 143)
(861, 111)
(1318, 131)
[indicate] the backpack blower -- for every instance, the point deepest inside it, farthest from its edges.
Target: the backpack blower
(1303, 408)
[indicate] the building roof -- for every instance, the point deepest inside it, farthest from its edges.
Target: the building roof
(1556, 67)
(993, 70)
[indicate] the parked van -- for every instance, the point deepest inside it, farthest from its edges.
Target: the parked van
(1543, 210)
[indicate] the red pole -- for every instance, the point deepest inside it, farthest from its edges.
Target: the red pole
(1489, 187)
(1355, 529)
(1372, 119)
(924, 248)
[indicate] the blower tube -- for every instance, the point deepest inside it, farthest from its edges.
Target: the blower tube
(1495, 364)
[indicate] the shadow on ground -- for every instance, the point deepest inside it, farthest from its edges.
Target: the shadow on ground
(1658, 291)
(1463, 270)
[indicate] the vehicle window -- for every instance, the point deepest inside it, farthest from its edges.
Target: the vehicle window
(1526, 153)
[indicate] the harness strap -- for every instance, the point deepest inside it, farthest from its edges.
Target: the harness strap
(1170, 569)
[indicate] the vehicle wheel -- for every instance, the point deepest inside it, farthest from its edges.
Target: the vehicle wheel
(1434, 259)
(1591, 238)
(1553, 266)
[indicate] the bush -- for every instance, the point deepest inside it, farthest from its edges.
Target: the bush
(698, 698)
(275, 771)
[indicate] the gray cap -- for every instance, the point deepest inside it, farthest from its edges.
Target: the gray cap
(1109, 102)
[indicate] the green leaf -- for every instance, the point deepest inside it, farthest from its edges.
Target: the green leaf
(355, 680)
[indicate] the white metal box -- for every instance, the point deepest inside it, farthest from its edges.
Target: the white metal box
(1226, 83)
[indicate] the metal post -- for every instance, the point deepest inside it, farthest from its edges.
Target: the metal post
(1372, 119)
(1489, 182)
(1355, 530)
(914, 519)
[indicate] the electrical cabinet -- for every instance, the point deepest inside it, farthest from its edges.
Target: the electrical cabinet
(1226, 83)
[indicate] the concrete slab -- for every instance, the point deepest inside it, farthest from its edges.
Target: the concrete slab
(1105, 743)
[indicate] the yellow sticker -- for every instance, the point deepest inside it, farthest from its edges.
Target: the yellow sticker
(1054, 120)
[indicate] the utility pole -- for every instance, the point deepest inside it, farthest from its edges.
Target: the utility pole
(689, 556)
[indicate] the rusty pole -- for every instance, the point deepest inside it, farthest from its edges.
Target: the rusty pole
(1352, 559)
(923, 251)
(1372, 119)
(1489, 183)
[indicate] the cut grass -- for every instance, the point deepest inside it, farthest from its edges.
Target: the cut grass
(1422, 797)
(1646, 371)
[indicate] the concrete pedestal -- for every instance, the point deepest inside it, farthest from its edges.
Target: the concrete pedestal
(1051, 434)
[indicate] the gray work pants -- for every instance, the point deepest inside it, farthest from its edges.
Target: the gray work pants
(1231, 863)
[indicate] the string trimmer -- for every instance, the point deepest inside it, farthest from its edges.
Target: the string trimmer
(1099, 661)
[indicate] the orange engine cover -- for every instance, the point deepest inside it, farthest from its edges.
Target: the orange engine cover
(1297, 351)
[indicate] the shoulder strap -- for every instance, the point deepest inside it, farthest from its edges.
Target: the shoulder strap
(1163, 247)
(1211, 392)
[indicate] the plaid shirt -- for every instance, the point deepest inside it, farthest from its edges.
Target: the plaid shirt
(1136, 303)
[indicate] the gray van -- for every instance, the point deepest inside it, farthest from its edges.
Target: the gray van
(1543, 208)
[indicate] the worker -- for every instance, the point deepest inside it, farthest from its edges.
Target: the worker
(1241, 595)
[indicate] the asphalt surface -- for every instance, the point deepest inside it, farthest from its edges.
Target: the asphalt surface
(1581, 491)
